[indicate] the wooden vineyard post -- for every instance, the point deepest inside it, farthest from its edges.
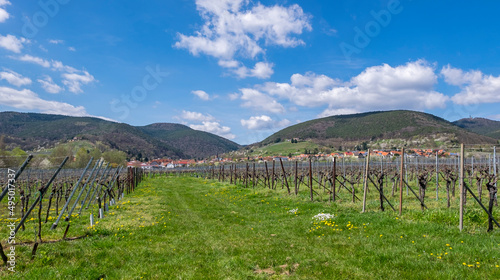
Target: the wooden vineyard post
(310, 179)
(437, 176)
(231, 174)
(236, 174)
(334, 178)
(272, 179)
(401, 180)
(253, 177)
(267, 176)
(365, 185)
(462, 194)
(296, 177)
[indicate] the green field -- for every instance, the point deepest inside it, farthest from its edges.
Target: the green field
(190, 228)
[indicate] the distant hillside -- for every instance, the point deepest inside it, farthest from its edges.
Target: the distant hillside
(30, 131)
(192, 142)
(390, 128)
(481, 126)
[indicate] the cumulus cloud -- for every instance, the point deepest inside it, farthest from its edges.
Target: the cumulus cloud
(49, 86)
(74, 81)
(4, 15)
(476, 87)
(201, 94)
(409, 86)
(14, 78)
(261, 70)
(73, 78)
(240, 28)
(260, 102)
(12, 43)
(263, 122)
(195, 116)
(215, 128)
(28, 100)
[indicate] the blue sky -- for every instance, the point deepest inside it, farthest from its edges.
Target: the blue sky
(245, 69)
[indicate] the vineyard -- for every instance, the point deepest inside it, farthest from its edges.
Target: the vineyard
(33, 199)
(58, 206)
(338, 181)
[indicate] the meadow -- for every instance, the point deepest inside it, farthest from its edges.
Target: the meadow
(180, 227)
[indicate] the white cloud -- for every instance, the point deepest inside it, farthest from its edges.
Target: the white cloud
(72, 49)
(201, 94)
(195, 116)
(214, 128)
(73, 78)
(53, 64)
(12, 43)
(261, 102)
(229, 63)
(495, 117)
(49, 86)
(56, 42)
(14, 78)
(59, 66)
(263, 123)
(240, 28)
(74, 81)
(233, 96)
(335, 112)
(261, 70)
(33, 59)
(409, 86)
(4, 15)
(28, 100)
(476, 87)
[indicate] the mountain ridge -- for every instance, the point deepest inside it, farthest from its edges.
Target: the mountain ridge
(481, 126)
(407, 127)
(31, 130)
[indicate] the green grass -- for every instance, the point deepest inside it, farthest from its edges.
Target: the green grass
(190, 228)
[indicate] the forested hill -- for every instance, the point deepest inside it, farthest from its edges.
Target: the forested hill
(481, 126)
(32, 130)
(407, 126)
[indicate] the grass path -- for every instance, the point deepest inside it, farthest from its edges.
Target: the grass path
(188, 228)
